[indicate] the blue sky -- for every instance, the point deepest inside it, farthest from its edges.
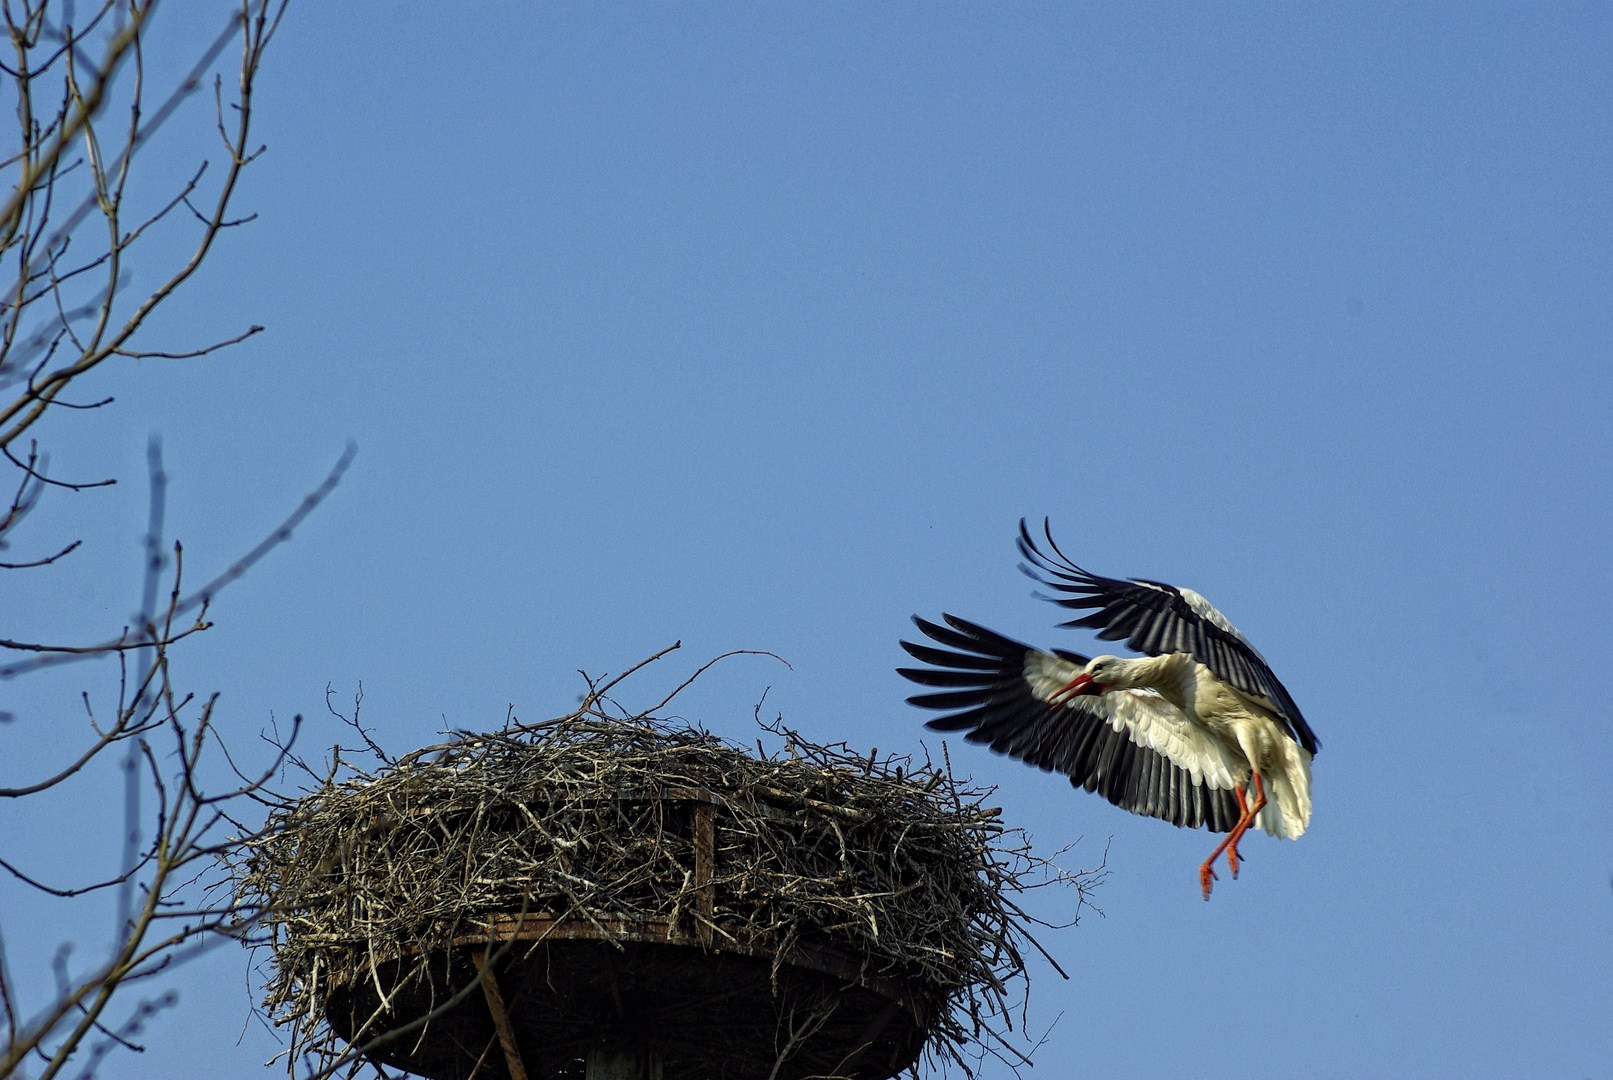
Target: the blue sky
(762, 326)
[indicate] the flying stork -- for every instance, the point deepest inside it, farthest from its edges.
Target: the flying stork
(1180, 734)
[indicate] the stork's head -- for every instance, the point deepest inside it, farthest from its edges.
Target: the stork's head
(1102, 674)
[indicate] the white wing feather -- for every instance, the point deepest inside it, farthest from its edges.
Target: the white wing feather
(1145, 718)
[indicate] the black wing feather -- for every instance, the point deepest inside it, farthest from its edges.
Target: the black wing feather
(988, 697)
(1155, 618)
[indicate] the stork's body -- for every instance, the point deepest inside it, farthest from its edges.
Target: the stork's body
(1199, 733)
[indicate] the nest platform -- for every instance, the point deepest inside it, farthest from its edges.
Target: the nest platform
(521, 902)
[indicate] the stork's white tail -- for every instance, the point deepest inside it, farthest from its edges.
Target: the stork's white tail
(1288, 791)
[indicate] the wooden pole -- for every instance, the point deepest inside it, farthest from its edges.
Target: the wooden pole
(705, 859)
(501, 1019)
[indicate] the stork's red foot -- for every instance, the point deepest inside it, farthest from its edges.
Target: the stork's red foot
(1233, 858)
(1206, 878)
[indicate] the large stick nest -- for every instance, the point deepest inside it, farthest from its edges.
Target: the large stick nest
(381, 878)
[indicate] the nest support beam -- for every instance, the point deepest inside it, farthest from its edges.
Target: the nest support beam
(501, 1021)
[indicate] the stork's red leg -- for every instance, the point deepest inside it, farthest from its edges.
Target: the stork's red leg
(1246, 816)
(1246, 819)
(1205, 869)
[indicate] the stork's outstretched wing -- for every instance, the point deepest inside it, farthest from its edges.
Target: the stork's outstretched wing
(1132, 747)
(1155, 619)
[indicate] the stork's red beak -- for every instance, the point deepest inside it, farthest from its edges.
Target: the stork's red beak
(1085, 684)
(1081, 685)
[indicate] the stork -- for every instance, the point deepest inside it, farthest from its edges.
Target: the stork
(1182, 733)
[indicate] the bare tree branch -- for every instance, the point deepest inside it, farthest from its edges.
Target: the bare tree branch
(73, 223)
(109, 335)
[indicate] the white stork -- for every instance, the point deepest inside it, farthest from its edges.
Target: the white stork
(1180, 734)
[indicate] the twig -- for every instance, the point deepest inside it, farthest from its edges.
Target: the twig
(59, 654)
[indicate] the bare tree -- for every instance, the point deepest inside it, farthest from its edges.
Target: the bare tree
(74, 217)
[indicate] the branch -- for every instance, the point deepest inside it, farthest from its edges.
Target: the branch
(103, 344)
(46, 561)
(193, 353)
(62, 654)
(51, 481)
